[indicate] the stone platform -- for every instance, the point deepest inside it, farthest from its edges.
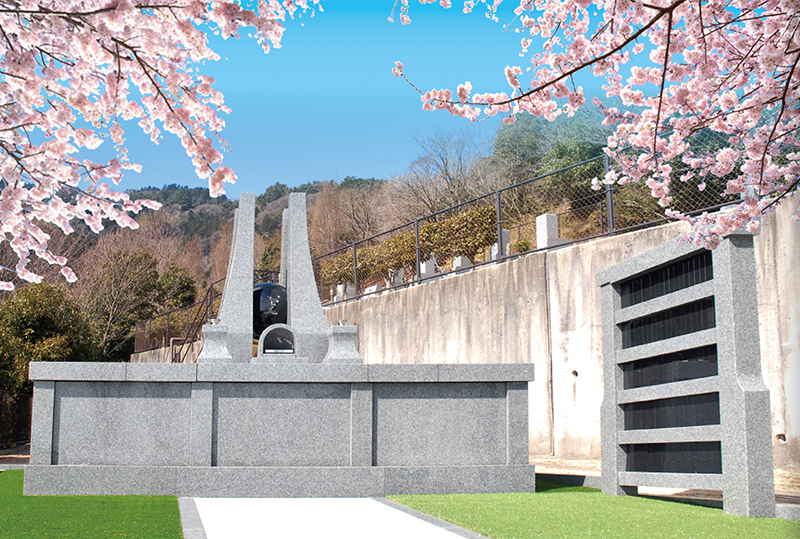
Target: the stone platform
(269, 430)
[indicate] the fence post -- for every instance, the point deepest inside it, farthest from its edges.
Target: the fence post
(501, 248)
(612, 224)
(355, 271)
(416, 247)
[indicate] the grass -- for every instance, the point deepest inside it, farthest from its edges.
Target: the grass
(557, 510)
(84, 517)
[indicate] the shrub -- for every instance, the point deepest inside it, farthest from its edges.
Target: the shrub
(464, 234)
(521, 246)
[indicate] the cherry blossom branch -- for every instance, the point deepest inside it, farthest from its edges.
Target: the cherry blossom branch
(574, 70)
(739, 62)
(782, 104)
(663, 82)
(99, 63)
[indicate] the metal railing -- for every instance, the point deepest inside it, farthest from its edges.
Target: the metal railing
(182, 326)
(15, 419)
(402, 255)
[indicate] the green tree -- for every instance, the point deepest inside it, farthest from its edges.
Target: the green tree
(533, 146)
(309, 188)
(351, 182)
(271, 256)
(273, 193)
(41, 322)
(521, 145)
(270, 224)
(176, 289)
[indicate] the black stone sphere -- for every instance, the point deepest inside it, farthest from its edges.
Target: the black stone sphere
(269, 306)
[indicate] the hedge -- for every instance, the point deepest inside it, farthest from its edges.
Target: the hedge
(465, 234)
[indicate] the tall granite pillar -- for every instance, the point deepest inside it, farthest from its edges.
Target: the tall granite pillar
(304, 311)
(235, 312)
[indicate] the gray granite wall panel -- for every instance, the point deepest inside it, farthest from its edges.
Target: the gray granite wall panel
(660, 303)
(289, 482)
(117, 423)
(459, 479)
(296, 372)
(42, 422)
(265, 424)
(202, 421)
(160, 372)
(709, 384)
(57, 370)
(673, 480)
(361, 424)
(705, 433)
(101, 480)
(419, 424)
(744, 398)
(667, 346)
(402, 373)
(282, 482)
(317, 435)
(517, 423)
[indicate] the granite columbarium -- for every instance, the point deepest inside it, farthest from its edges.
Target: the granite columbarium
(300, 416)
(685, 405)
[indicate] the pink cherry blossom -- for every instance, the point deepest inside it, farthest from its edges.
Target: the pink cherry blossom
(72, 71)
(731, 67)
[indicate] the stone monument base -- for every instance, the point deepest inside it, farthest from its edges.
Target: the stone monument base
(284, 482)
(285, 430)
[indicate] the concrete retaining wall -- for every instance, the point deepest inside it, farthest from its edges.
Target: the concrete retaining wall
(188, 352)
(545, 309)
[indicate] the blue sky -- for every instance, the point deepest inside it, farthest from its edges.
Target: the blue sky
(326, 105)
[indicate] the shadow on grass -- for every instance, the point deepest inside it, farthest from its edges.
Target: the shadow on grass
(543, 486)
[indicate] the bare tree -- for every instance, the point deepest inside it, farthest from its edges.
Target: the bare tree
(363, 205)
(326, 224)
(443, 175)
(119, 289)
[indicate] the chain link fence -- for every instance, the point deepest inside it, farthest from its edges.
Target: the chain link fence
(466, 235)
(449, 240)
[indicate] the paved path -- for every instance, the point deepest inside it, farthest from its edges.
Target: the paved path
(310, 518)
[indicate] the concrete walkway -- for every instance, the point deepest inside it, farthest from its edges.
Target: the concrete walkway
(310, 518)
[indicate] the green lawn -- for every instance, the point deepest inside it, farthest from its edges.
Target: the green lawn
(84, 517)
(554, 511)
(557, 510)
